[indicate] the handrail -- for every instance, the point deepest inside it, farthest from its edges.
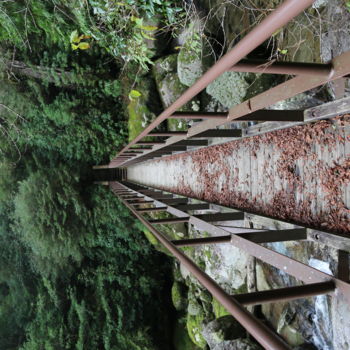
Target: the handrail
(277, 19)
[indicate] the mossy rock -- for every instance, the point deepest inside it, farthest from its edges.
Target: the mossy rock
(232, 88)
(170, 89)
(181, 338)
(157, 245)
(177, 273)
(139, 117)
(220, 329)
(144, 109)
(238, 344)
(218, 309)
(195, 324)
(179, 296)
(194, 308)
(195, 56)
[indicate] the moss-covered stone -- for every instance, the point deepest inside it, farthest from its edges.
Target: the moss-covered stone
(229, 89)
(232, 88)
(194, 308)
(181, 339)
(195, 55)
(194, 326)
(143, 109)
(218, 309)
(170, 89)
(223, 328)
(179, 296)
(237, 344)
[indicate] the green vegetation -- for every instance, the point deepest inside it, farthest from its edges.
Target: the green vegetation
(178, 296)
(218, 309)
(72, 271)
(194, 327)
(182, 341)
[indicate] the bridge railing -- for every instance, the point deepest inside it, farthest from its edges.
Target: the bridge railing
(142, 200)
(307, 76)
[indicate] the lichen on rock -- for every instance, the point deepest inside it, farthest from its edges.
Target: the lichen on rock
(237, 344)
(220, 329)
(195, 55)
(232, 88)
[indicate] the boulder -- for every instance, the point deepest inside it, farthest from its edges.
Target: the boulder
(237, 344)
(232, 88)
(223, 328)
(170, 89)
(178, 296)
(195, 324)
(168, 83)
(195, 55)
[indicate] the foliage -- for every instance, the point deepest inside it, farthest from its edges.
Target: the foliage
(49, 216)
(182, 340)
(72, 263)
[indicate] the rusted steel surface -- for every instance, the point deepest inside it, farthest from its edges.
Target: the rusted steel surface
(277, 19)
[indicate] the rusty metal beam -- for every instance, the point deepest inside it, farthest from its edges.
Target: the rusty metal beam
(221, 216)
(140, 202)
(195, 206)
(202, 240)
(147, 210)
(290, 88)
(275, 235)
(167, 133)
(175, 201)
(221, 133)
(274, 115)
(198, 115)
(284, 294)
(256, 237)
(168, 221)
(149, 143)
(290, 68)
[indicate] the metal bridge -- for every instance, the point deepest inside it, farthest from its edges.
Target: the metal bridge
(304, 76)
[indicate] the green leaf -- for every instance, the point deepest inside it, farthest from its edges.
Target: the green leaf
(84, 46)
(145, 35)
(134, 94)
(74, 37)
(74, 47)
(149, 28)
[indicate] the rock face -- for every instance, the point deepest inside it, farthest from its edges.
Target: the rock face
(223, 328)
(238, 344)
